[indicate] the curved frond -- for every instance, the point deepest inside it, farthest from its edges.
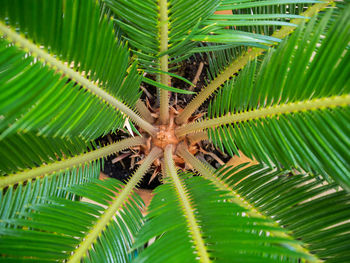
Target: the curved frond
(141, 24)
(15, 200)
(222, 56)
(54, 229)
(244, 19)
(92, 59)
(75, 231)
(229, 235)
(286, 120)
(315, 211)
(193, 21)
(227, 69)
(74, 32)
(20, 151)
(68, 162)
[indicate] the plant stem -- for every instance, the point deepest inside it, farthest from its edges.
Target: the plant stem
(185, 204)
(144, 112)
(207, 171)
(240, 62)
(71, 162)
(76, 76)
(108, 215)
(164, 78)
(197, 137)
(264, 113)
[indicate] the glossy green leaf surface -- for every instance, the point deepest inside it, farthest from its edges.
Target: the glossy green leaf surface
(75, 33)
(54, 229)
(314, 140)
(22, 151)
(16, 200)
(230, 236)
(35, 98)
(315, 211)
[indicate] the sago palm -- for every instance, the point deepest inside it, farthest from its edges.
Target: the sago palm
(71, 71)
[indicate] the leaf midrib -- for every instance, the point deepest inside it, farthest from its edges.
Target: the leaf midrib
(76, 76)
(307, 105)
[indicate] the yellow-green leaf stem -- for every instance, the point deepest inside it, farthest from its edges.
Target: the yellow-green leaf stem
(76, 76)
(197, 137)
(144, 111)
(186, 205)
(164, 78)
(240, 62)
(69, 163)
(315, 104)
(207, 171)
(108, 215)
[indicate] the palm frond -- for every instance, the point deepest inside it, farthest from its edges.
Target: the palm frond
(15, 200)
(85, 60)
(75, 33)
(315, 211)
(221, 56)
(229, 235)
(36, 98)
(140, 22)
(70, 162)
(223, 72)
(20, 151)
(54, 229)
(289, 121)
(243, 26)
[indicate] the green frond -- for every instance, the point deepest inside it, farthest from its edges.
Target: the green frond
(51, 60)
(53, 230)
(187, 208)
(294, 122)
(62, 108)
(229, 235)
(140, 23)
(217, 177)
(220, 56)
(190, 21)
(227, 69)
(15, 200)
(251, 23)
(315, 211)
(68, 162)
(60, 229)
(74, 32)
(20, 151)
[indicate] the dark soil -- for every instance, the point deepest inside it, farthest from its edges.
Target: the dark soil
(188, 70)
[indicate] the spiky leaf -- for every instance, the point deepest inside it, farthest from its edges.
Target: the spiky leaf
(287, 120)
(315, 211)
(54, 229)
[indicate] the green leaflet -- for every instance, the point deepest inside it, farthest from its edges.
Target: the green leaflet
(35, 98)
(227, 5)
(22, 151)
(314, 140)
(75, 33)
(216, 218)
(164, 87)
(64, 224)
(316, 212)
(15, 201)
(139, 23)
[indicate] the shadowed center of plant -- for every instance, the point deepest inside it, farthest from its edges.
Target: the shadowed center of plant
(165, 136)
